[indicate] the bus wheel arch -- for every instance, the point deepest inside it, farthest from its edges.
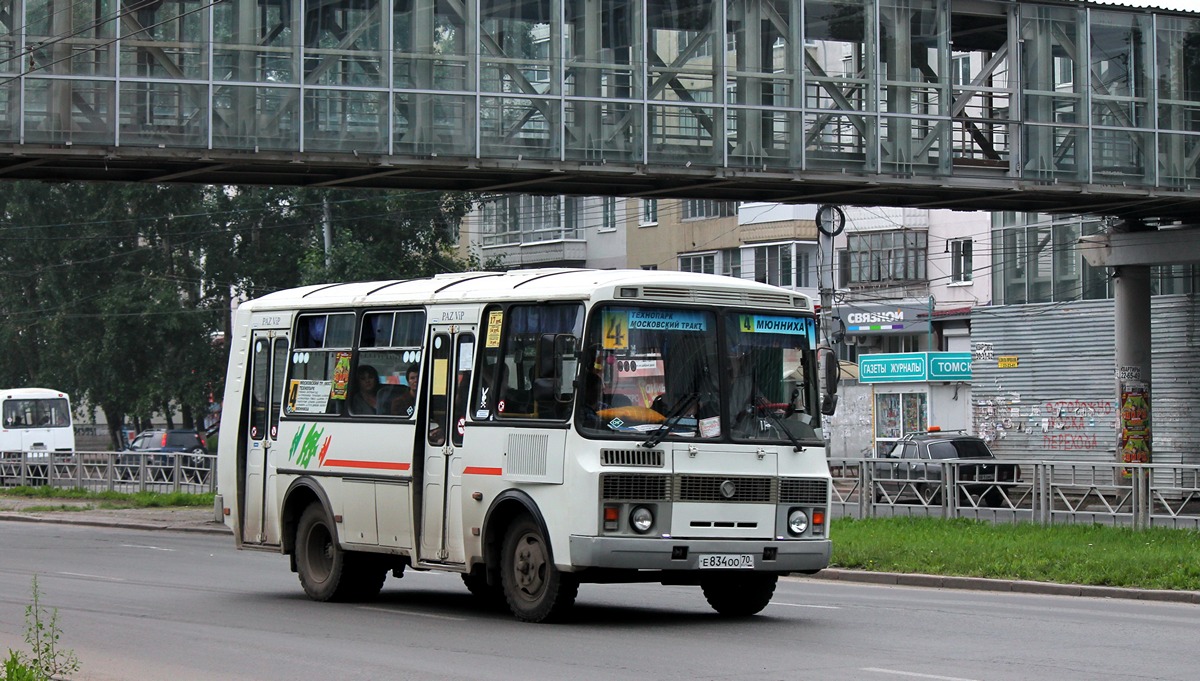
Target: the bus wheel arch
(504, 510)
(302, 493)
(520, 555)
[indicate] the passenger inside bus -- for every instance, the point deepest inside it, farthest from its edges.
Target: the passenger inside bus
(404, 403)
(366, 389)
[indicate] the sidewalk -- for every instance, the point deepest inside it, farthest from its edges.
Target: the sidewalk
(190, 519)
(202, 520)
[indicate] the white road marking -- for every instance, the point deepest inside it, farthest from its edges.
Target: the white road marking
(808, 605)
(413, 612)
(914, 675)
(144, 546)
(87, 576)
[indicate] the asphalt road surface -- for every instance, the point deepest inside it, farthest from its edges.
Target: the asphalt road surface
(180, 606)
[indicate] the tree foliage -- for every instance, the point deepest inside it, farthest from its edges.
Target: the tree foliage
(120, 294)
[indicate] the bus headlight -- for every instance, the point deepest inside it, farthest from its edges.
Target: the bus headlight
(641, 520)
(797, 521)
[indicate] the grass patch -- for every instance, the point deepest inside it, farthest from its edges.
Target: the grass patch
(1068, 554)
(48, 508)
(113, 499)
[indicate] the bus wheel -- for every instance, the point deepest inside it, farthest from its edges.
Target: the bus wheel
(320, 562)
(536, 591)
(739, 595)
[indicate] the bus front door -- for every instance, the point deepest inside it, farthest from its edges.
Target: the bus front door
(268, 368)
(449, 378)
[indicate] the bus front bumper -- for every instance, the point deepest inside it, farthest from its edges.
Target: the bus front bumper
(655, 553)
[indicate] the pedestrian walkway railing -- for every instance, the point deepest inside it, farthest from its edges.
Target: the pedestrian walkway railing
(1047, 492)
(111, 471)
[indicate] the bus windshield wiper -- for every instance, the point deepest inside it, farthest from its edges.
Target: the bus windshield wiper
(681, 406)
(770, 413)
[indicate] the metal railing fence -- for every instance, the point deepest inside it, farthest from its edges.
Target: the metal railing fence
(111, 471)
(1046, 492)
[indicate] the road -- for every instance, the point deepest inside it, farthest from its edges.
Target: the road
(167, 605)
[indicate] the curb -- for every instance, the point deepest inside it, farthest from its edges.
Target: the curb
(1005, 585)
(122, 524)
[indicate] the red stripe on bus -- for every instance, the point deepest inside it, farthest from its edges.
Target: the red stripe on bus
(481, 470)
(380, 465)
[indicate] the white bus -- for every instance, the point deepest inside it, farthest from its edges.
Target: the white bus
(35, 420)
(701, 461)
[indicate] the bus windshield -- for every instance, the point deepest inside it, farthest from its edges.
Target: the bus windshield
(661, 372)
(647, 369)
(773, 392)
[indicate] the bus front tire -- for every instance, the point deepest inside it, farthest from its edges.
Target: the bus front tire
(536, 591)
(327, 572)
(739, 595)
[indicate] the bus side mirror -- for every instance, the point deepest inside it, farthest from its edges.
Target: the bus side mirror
(832, 374)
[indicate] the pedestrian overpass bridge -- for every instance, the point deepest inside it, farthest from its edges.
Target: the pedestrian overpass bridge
(1050, 106)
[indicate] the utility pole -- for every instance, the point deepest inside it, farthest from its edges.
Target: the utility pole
(830, 222)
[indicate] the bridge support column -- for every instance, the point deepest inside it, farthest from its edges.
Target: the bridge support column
(1131, 293)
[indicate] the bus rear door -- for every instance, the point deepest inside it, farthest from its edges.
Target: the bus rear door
(449, 378)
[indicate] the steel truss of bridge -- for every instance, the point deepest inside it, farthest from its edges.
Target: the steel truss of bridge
(1051, 106)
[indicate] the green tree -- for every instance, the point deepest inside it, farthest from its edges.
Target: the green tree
(120, 294)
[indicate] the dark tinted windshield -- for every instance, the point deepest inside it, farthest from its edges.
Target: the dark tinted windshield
(959, 449)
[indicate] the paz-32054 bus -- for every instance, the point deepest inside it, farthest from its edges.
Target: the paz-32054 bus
(532, 430)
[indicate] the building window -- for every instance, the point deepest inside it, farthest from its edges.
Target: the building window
(843, 268)
(960, 260)
(960, 70)
(696, 209)
(731, 262)
(804, 274)
(516, 219)
(609, 219)
(704, 263)
(773, 265)
(649, 212)
(650, 267)
(881, 257)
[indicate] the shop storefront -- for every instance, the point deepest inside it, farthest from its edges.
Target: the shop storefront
(915, 390)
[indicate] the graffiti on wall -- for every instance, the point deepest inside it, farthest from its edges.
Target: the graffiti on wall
(1054, 425)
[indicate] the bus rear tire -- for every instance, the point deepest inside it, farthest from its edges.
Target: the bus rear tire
(739, 595)
(329, 573)
(536, 591)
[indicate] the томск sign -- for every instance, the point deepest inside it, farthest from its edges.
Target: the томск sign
(908, 367)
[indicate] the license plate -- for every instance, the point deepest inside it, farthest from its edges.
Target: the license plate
(720, 560)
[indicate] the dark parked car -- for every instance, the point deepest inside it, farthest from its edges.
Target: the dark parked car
(168, 442)
(914, 467)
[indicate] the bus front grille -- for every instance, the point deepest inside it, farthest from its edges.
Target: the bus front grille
(714, 489)
(807, 491)
(724, 488)
(634, 487)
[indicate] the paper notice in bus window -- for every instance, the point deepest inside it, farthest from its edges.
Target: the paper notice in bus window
(309, 397)
(440, 367)
(495, 322)
(341, 375)
(710, 427)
